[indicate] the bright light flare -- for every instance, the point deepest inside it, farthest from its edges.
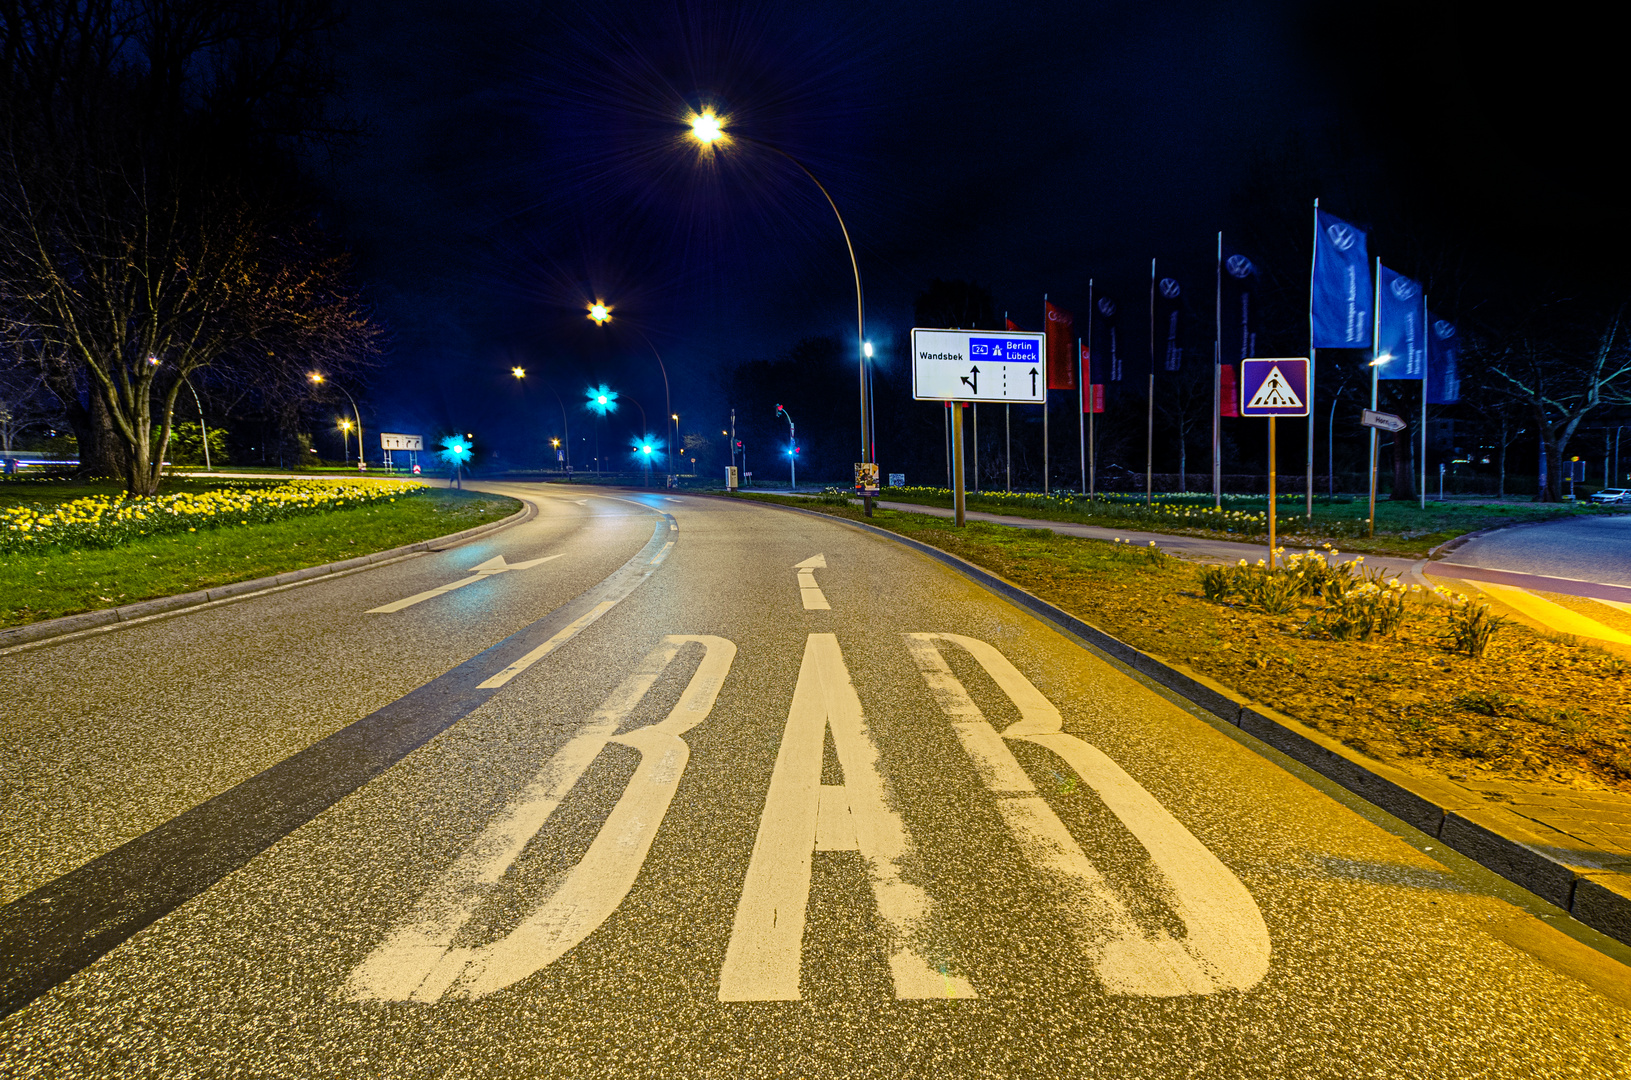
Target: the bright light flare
(315, 377)
(1380, 360)
(601, 399)
(455, 451)
(646, 449)
(707, 128)
(600, 312)
(519, 372)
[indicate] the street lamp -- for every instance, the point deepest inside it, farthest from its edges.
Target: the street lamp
(520, 374)
(601, 401)
(318, 379)
(708, 129)
(345, 439)
(600, 313)
(792, 449)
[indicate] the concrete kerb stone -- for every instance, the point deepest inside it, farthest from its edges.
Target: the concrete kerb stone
(1495, 838)
(145, 609)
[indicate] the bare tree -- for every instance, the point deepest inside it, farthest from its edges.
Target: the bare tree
(150, 225)
(1559, 362)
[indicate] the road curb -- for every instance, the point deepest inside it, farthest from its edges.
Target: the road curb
(1554, 867)
(35, 633)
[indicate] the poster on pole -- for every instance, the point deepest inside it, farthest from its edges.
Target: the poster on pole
(1004, 366)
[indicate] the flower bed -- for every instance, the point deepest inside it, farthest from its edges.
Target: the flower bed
(100, 521)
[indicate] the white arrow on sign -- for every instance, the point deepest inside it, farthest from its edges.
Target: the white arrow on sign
(1384, 420)
(809, 592)
(495, 565)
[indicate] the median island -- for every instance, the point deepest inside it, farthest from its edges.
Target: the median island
(1423, 679)
(69, 546)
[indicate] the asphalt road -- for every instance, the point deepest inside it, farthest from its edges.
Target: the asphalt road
(669, 805)
(1582, 548)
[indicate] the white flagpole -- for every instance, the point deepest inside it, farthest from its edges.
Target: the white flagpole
(1092, 465)
(1424, 362)
(1149, 431)
(1045, 342)
(1313, 257)
(1217, 385)
(1007, 434)
(1375, 372)
(1084, 398)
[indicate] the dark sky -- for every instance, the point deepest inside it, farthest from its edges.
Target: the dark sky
(522, 160)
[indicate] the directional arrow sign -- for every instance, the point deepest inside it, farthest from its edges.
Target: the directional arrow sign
(973, 365)
(1385, 421)
(495, 565)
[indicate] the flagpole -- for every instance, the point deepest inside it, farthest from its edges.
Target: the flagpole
(1313, 258)
(1375, 371)
(1149, 431)
(1007, 435)
(1084, 398)
(976, 409)
(1092, 464)
(1217, 384)
(1425, 330)
(1045, 342)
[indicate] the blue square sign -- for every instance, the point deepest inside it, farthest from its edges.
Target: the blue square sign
(1274, 387)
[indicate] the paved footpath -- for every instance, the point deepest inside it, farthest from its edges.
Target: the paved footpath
(1590, 827)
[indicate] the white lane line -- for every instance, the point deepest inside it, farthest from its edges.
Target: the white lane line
(764, 956)
(418, 961)
(809, 592)
(561, 638)
(1227, 942)
(486, 570)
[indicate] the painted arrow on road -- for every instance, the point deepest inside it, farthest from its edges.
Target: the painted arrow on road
(809, 592)
(495, 565)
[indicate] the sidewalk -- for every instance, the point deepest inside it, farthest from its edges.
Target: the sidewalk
(1569, 846)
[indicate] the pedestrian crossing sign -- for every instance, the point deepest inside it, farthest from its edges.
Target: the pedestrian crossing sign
(1276, 387)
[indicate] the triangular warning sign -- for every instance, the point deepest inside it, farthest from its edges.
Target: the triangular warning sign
(1275, 393)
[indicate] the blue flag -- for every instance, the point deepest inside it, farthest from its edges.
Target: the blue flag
(1443, 356)
(1400, 313)
(1238, 325)
(1340, 300)
(1169, 309)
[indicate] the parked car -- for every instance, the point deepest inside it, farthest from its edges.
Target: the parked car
(1612, 495)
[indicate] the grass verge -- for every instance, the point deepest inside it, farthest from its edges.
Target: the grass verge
(45, 586)
(1402, 528)
(1535, 706)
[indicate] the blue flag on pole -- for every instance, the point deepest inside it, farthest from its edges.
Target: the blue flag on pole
(1400, 313)
(1340, 299)
(1443, 358)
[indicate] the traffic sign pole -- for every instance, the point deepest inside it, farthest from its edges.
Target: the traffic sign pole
(1272, 462)
(957, 496)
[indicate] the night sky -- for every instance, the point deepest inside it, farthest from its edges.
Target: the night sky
(518, 162)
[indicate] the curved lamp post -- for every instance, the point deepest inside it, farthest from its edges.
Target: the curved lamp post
(566, 428)
(600, 313)
(708, 129)
(318, 379)
(792, 448)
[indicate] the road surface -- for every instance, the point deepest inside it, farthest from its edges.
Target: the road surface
(670, 786)
(1580, 548)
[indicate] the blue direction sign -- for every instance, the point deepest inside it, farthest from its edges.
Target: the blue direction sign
(1274, 387)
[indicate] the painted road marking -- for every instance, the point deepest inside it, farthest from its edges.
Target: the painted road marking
(809, 592)
(1617, 605)
(1554, 616)
(418, 960)
(762, 961)
(486, 570)
(1227, 943)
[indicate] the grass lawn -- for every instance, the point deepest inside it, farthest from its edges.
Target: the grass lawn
(1534, 706)
(44, 586)
(1402, 528)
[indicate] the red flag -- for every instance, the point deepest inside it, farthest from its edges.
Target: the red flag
(1228, 398)
(1095, 399)
(1009, 324)
(1061, 372)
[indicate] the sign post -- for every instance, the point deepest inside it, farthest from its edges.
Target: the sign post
(1377, 421)
(1272, 389)
(973, 366)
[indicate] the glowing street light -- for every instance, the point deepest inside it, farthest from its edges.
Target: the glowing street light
(456, 451)
(519, 372)
(707, 128)
(602, 314)
(317, 378)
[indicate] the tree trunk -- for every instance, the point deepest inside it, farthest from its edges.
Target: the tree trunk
(105, 454)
